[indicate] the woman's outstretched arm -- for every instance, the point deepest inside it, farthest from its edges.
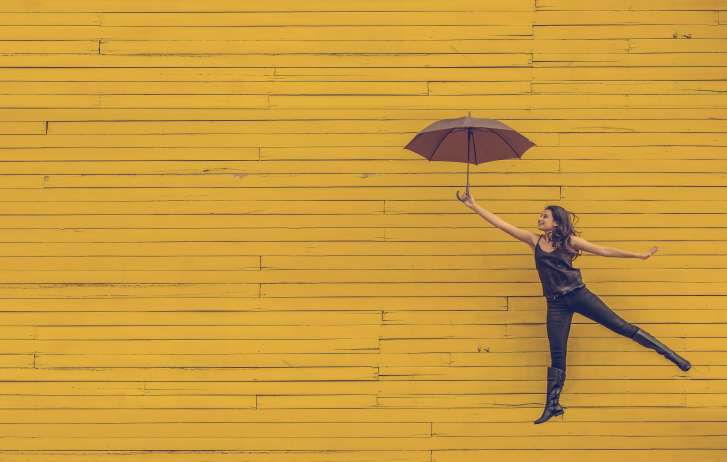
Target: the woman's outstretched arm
(582, 244)
(526, 236)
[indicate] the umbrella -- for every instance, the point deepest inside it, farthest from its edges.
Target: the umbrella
(471, 140)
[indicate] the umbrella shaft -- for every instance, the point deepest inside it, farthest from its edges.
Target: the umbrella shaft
(469, 137)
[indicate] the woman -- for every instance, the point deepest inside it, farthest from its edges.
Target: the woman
(566, 293)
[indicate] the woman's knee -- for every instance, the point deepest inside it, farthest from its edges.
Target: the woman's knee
(630, 330)
(557, 359)
(624, 328)
(558, 364)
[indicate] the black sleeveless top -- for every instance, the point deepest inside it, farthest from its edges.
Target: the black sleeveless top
(557, 274)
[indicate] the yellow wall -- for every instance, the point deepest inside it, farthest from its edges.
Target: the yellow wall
(213, 240)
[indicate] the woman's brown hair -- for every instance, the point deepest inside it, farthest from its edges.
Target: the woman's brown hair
(560, 235)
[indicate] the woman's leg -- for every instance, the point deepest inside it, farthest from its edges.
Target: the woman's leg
(590, 305)
(558, 322)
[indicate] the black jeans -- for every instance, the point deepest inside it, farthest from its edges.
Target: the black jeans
(585, 302)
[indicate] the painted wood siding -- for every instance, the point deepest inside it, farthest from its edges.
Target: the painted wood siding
(215, 248)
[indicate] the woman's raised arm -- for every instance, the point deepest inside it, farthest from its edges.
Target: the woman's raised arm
(526, 236)
(582, 244)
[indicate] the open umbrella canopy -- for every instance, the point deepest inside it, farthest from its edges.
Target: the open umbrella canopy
(470, 140)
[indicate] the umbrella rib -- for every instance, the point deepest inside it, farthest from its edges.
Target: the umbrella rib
(508, 144)
(474, 146)
(440, 143)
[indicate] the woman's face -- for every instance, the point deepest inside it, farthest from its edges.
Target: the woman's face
(545, 221)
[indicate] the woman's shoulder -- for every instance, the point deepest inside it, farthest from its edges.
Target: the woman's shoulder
(537, 241)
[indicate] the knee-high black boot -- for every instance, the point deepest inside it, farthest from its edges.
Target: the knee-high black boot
(644, 338)
(556, 379)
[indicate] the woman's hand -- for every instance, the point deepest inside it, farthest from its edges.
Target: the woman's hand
(651, 251)
(468, 200)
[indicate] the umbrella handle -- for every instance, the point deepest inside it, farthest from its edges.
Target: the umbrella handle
(464, 197)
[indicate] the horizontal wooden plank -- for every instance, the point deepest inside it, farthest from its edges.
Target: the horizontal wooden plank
(591, 372)
(632, 73)
(262, 60)
(635, 87)
(260, 430)
(47, 266)
(451, 317)
(232, 88)
(234, 5)
(360, 388)
(111, 403)
(19, 361)
(360, 75)
(207, 47)
(644, 414)
(569, 399)
(18, 47)
(180, 153)
(633, 227)
(362, 373)
(691, 45)
(558, 455)
(451, 180)
(281, 332)
(599, 340)
(531, 359)
(505, 199)
(22, 128)
(270, 32)
(513, 101)
(324, 248)
(384, 126)
(464, 276)
(474, 289)
(446, 207)
(226, 47)
(542, 115)
(630, 139)
(80, 101)
(626, 16)
(368, 444)
(270, 346)
(222, 331)
(135, 290)
(513, 260)
(642, 5)
(333, 18)
(600, 31)
(230, 140)
(24, 17)
(282, 207)
(628, 60)
(295, 74)
(225, 456)
(415, 165)
(531, 400)
(314, 352)
(212, 317)
(303, 305)
(319, 429)
(571, 428)
(185, 360)
(511, 200)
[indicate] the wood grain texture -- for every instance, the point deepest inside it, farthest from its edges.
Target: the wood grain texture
(215, 248)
